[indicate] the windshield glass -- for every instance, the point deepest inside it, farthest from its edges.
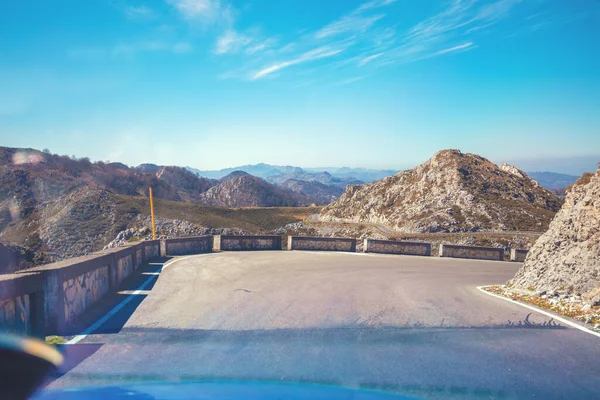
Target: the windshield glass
(300, 199)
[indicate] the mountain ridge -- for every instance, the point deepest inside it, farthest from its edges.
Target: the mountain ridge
(451, 192)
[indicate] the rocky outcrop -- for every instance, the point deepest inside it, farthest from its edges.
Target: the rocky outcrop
(567, 257)
(451, 192)
(247, 191)
(77, 223)
(511, 169)
(29, 177)
(166, 229)
(186, 186)
(313, 192)
(233, 175)
(323, 177)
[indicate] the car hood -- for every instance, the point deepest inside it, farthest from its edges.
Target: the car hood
(216, 390)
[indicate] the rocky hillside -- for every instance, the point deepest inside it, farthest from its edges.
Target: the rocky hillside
(313, 192)
(567, 257)
(73, 224)
(324, 178)
(186, 186)
(233, 175)
(248, 191)
(451, 192)
(141, 229)
(29, 177)
(232, 190)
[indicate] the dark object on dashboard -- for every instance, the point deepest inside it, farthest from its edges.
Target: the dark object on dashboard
(24, 364)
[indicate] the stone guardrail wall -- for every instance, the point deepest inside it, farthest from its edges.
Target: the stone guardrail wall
(48, 299)
(394, 247)
(244, 243)
(518, 255)
(189, 245)
(321, 243)
(473, 252)
(21, 301)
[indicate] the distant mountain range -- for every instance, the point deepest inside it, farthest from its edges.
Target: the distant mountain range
(278, 174)
(341, 177)
(553, 180)
(260, 170)
(362, 174)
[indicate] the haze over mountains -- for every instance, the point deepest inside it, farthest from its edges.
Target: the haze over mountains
(346, 176)
(279, 173)
(553, 180)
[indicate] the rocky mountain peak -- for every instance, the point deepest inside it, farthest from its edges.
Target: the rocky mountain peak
(445, 156)
(511, 169)
(452, 191)
(247, 191)
(233, 175)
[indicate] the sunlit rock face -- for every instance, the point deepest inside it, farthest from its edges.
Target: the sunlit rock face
(451, 192)
(567, 257)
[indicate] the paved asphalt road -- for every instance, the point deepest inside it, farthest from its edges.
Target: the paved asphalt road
(416, 325)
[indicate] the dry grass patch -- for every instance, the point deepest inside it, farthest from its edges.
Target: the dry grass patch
(566, 307)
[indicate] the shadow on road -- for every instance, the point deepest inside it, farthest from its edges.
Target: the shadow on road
(73, 355)
(340, 334)
(433, 362)
(145, 276)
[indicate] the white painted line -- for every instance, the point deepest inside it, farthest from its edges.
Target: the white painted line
(546, 313)
(119, 307)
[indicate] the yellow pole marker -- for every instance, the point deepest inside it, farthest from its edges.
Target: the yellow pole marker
(152, 213)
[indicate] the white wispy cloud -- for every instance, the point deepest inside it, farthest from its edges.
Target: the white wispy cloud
(460, 17)
(460, 20)
(545, 20)
(350, 23)
(349, 81)
(249, 42)
(205, 11)
(460, 47)
(312, 55)
(368, 59)
(374, 4)
(194, 8)
(231, 41)
(370, 37)
(138, 12)
(357, 21)
(261, 45)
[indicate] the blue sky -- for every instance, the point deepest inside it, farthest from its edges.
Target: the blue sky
(378, 83)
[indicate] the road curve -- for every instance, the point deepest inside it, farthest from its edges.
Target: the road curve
(415, 325)
(386, 230)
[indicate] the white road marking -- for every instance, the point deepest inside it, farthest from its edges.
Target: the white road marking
(119, 307)
(546, 313)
